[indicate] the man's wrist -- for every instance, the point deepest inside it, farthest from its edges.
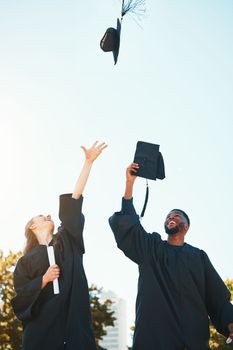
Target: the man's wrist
(130, 182)
(128, 197)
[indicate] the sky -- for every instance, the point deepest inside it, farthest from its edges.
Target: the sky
(172, 86)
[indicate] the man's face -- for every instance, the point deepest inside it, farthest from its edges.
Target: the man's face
(175, 222)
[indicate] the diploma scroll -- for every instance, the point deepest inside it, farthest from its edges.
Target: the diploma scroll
(51, 257)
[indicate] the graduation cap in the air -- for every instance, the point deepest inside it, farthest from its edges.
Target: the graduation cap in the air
(151, 165)
(111, 39)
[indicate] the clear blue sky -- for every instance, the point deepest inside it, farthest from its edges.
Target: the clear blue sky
(172, 85)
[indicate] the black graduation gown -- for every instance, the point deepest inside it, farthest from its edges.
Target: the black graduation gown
(178, 288)
(51, 320)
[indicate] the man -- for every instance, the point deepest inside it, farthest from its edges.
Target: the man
(178, 288)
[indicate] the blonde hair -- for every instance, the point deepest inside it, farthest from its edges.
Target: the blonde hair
(31, 240)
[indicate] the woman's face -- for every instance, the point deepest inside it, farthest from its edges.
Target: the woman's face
(43, 223)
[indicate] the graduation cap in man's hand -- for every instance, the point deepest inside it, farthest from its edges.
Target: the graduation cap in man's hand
(111, 39)
(150, 160)
(151, 164)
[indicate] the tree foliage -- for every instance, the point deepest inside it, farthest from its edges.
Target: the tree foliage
(217, 341)
(101, 314)
(11, 327)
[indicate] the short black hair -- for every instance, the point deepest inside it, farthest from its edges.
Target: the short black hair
(185, 215)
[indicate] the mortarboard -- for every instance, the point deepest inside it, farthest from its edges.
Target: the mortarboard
(150, 160)
(151, 165)
(111, 39)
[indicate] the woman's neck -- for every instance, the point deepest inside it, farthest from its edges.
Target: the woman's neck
(44, 237)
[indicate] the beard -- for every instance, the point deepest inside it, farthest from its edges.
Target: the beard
(175, 229)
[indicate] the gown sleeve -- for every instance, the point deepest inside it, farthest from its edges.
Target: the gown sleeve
(218, 297)
(72, 219)
(130, 236)
(27, 291)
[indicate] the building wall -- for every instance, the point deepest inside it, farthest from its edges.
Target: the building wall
(116, 338)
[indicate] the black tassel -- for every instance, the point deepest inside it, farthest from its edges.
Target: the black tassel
(146, 200)
(136, 7)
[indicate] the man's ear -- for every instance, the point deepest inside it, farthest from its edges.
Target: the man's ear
(186, 227)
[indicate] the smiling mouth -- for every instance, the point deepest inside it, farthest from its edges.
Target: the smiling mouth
(171, 224)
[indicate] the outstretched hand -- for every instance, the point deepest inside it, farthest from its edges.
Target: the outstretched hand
(94, 151)
(90, 154)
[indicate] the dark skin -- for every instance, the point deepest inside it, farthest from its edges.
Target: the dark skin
(174, 218)
(230, 327)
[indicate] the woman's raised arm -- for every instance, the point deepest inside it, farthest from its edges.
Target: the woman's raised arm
(91, 154)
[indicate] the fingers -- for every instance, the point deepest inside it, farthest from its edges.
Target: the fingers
(133, 168)
(231, 335)
(94, 144)
(55, 266)
(53, 272)
(55, 269)
(230, 338)
(99, 147)
(131, 172)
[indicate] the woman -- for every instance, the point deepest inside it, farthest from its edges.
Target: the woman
(56, 321)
